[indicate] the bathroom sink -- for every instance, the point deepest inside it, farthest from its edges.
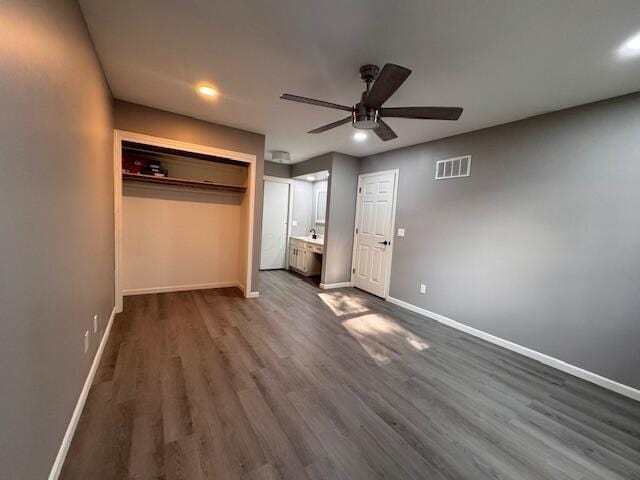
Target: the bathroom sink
(317, 241)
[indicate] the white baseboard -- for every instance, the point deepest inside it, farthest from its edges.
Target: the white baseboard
(604, 382)
(329, 286)
(73, 423)
(247, 294)
(181, 288)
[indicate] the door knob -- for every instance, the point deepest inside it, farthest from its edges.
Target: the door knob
(385, 243)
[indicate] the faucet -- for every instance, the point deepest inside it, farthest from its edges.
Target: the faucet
(314, 235)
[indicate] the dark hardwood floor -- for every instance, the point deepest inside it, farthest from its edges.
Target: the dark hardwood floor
(309, 384)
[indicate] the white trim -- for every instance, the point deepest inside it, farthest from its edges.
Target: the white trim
(396, 180)
(181, 288)
(250, 220)
(289, 181)
(271, 178)
(184, 146)
(527, 352)
(121, 135)
(328, 286)
(73, 423)
(247, 294)
(117, 217)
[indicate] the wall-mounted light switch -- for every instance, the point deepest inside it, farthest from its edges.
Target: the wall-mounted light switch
(423, 288)
(294, 223)
(401, 232)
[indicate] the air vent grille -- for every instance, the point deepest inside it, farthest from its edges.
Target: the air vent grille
(453, 167)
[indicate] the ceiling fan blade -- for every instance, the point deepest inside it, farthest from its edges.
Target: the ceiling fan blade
(425, 113)
(324, 128)
(311, 101)
(384, 132)
(388, 81)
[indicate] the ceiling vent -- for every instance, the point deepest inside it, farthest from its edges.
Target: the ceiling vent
(453, 167)
(280, 156)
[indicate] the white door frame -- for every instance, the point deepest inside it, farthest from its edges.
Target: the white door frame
(122, 135)
(396, 175)
(288, 181)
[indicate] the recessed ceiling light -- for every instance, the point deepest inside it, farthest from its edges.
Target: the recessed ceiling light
(359, 136)
(311, 179)
(631, 47)
(207, 90)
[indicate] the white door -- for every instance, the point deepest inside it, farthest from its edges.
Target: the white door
(274, 225)
(374, 231)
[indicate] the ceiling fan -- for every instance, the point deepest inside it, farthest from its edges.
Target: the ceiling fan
(367, 114)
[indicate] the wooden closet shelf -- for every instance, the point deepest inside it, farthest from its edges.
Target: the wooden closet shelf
(138, 177)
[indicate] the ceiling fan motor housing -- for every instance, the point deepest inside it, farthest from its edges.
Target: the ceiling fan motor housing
(365, 118)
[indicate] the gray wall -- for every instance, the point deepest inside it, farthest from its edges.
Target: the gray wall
(56, 225)
(275, 169)
(313, 165)
(150, 121)
(341, 213)
(541, 245)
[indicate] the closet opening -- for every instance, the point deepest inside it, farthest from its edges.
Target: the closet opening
(183, 216)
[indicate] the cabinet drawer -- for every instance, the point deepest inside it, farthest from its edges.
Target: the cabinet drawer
(293, 242)
(317, 248)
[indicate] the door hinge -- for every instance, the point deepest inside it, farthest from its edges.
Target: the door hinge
(354, 270)
(359, 189)
(356, 231)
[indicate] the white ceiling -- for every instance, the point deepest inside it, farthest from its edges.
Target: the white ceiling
(501, 60)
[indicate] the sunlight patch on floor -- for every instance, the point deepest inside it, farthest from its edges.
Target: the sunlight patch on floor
(383, 338)
(342, 304)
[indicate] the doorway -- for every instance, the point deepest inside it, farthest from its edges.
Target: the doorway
(276, 215)
(373, 235)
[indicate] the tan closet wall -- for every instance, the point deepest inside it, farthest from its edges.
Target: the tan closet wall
(180, 239)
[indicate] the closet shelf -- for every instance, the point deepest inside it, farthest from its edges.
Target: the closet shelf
(138, 177)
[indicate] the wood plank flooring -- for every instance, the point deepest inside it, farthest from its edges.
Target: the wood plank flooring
(309, 384)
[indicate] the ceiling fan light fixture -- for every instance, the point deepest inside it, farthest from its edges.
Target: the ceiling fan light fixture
(366, 121)
(360, 136)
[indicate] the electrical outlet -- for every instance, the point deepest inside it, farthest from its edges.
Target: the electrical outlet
(294, 223)
(95, 324)
(423, 288)
(86, 341)
(401, 232)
